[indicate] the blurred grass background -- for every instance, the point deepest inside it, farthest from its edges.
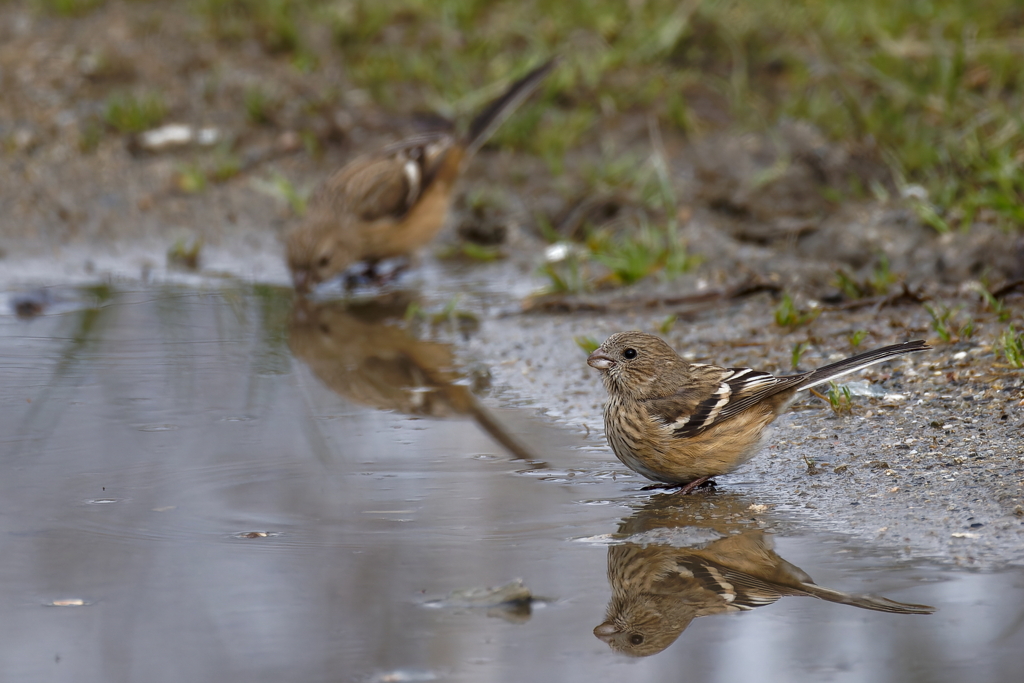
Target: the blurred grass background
(930, 89)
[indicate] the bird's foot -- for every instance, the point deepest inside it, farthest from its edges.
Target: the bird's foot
(659, 487)
(702, 483)
(696, 484)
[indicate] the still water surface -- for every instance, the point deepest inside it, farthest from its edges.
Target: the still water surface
(218, 486)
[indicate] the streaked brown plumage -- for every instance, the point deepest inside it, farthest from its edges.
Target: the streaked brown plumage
(691, 557)
(682, 423)
(391, 202)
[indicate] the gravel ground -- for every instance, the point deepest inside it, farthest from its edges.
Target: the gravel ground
(934, 468)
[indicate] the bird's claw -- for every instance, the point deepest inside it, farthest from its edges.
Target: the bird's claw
(703, 484)
(685, 489)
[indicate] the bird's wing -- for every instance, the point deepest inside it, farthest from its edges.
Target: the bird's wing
(375, 187)
(691, 410)
(679, 410)
(386, 184)
(737, 589)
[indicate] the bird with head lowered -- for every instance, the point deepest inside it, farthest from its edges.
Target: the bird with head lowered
(392, 202)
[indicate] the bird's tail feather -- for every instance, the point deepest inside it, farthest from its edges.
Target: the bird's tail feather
(495, 113)
(871, 602)
(861, 360)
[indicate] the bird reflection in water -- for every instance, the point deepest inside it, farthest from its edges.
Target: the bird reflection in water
(659, 587)
(358, 350)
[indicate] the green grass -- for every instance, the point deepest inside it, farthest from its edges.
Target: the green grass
(450, 315)
(129, 113)
(70, 8)
(272, 23)
(876, 283)
(190, 179)
(788, 315)
(941, 324)
(993, 304)
(259, 106)
(587, 343)
(1011, 347)
(932, 90)
(856, 337)
(637, 254)
(797, 354)
(217, 166)
(472, 252)
(279, 187)
(950, 323)
(185, 254)
(616, 260)
(840, 399)
(570, 275)
(224, 165)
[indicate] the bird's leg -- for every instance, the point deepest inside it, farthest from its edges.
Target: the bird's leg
(359, 274)
(371, 273)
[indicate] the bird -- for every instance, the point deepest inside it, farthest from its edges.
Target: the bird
(681, 423)
(658, 589)
(392, 202)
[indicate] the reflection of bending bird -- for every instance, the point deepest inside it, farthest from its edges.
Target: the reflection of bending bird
(353, 351)
(657, 590)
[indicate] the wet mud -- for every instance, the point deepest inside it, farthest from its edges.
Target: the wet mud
(192, 490)
(208, 479)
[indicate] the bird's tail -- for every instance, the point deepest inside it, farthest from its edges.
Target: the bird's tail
(861, 360)
(495, 113)
(871, 602)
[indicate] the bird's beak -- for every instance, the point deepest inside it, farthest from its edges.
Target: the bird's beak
(606, 631)
(300, 279)
(600, 360)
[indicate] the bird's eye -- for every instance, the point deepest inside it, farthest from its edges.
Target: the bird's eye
(629, 354)
(324, 261)
(636, 638)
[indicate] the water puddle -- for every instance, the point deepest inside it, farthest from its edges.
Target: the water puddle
(236, 488)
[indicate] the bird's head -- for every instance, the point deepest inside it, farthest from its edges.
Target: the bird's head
(635, 363)
(315, 254)
(635, 626)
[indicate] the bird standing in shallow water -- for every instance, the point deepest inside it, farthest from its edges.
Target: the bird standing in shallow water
(392, 202)
(682, 423)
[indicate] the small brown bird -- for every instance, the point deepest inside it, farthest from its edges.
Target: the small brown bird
(392, 202)
(657, 590)
(682, 423)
